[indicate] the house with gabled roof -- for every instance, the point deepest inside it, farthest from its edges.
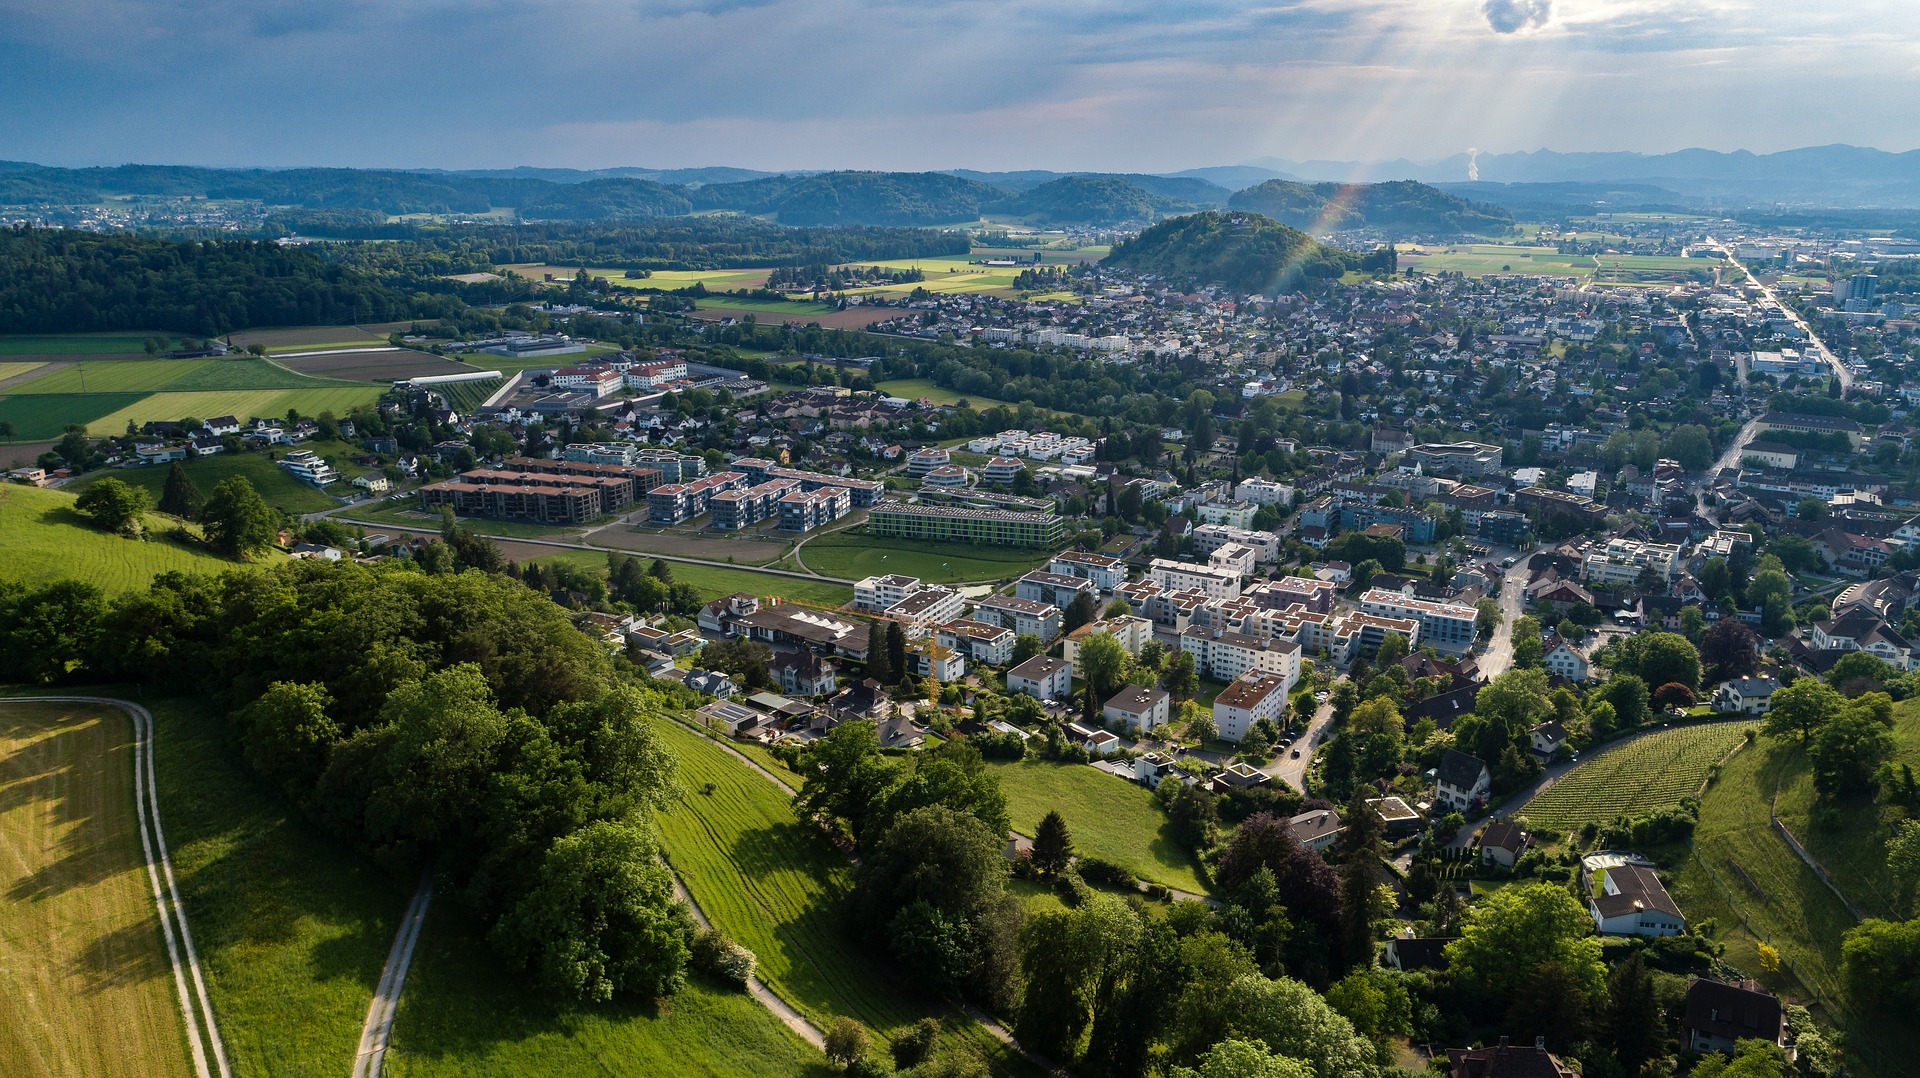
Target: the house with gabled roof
(1630, 900)
(1461, 781)
(1721, 1015)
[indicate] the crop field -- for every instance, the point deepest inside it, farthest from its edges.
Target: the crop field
(722, 279)
(73, 344)
(280, 489)
(713, 581)
(1476, 259)
(801, 312)
(292, 927)
(1641, 777)
(463, 1013)
(1108, 817)
(780, 888)
(302, 338)
(112, 376)
(42, 539)
(244, 403)
(85, 985)
(40, 416)
(15, 370)
(376, 366)
(854, 557)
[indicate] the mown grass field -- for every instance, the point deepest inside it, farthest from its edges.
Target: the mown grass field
(777, 886)
(1854, 852)
(1639, 778)
(85, 984)
(915, 388)
(43, 539)
(40, 416)
(713, 581)
(280, 489)
(292, 927)
(175, 376)
(1108, 817)
(854, 556)
(62, 344)
(463, 1014)
(242, 403)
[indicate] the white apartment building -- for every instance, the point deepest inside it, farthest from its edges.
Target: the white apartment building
(1233, 558)
(1225, 655)
(1264, 492)
(1248, 700)
(983, 643)
(1106, 573)
(880, 592)
(1183, 576)
(1208, 538)
(1130, 632)
(1621, 561)
(1449, 627)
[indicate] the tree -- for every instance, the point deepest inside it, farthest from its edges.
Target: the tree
(1848, 750)
(1487, 615)
(1903, 865)
(1802, 707)
(896, 650)
(1079, 612)
(1295, 1022)
(601, 918)
(1103, 663)
(1516, 929)
(1633, 1016)
(1729, 650)
(1657, 658)
(1771, 591)
(180, 497)
(1201, 727)
(847, 1041)
(1182, 678)
(1065, 957)
(1673, 695)
(1362, 846)
(287, 735)
(1751, 1058)
(1052, 844)
(1308, 886)
(1881, 962)
(1860, 672)
(1393, 648)
(1693, 624)
(115, 506)
(1243, 1059)
(879, 666)
(238, 521)
(1691, 446)
(1527, 647)
(1026, 646)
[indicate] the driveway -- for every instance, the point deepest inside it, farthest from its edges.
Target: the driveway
(1293, 772)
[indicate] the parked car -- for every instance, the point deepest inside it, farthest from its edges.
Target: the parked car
(1296, 754)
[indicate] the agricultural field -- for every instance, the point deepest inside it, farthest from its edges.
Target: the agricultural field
(382, 366)
(243, 403)
(309, 338)
(280, 489)
(85, 985)
(46, 416)
(292, 927)
(854, 556)
(721, 279)
(778, 886)
(801, 312)
(173, 376)
(1641, 777)
(1482, 258)
(73, 344)
(42, 539)
(1109, 818)
(463, 1014)
(15, 370)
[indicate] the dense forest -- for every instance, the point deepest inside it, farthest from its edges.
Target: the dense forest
(1400, 204)
(1244, 251)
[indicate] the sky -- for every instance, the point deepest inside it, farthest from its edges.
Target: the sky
(1109, 85)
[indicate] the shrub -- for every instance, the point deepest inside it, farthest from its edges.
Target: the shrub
(716, 954)
(915, 1043)
(1097, 870)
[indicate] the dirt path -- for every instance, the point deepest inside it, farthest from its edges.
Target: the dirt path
(378, 1029)
(755, 986)
(196, 1007)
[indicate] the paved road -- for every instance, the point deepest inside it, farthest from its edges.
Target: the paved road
(1839, 368)
(196, 1006)
(378, 1028)
(1499, 654)
(1284, 767)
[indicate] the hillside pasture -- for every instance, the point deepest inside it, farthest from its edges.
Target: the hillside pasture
(43, 539)
(1853, 847)
(1641, 777)
(43, 416)
(280, 489)
(87, 985)
(1109, 818)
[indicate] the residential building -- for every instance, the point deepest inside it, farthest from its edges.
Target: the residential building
(1263, 492)
(1504, 1061)
(1042, 677)
(1630, 900)
(1225, 655)
(1449, 627)
(1548, 738)
(1561, 658)
(671, 503)
(1745, 695)
(920, 612)
(879, 592)
(1720, 1015)
(1024, 616)
(1251, 697)
(945, 523)
(1316, 830)
(1105, 572)
(1502, 843)
(1183, 576)
(1059, 589)
(1129, 631)
(1621, 561)
(805, 510)
(922, 461)
(1460, 782)
(1140, 709)
(1464, 458)
(983, 643)
(1234, 514)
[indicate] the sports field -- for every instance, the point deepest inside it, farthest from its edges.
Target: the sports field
(1109, 818)
(42, 539)
(853, 556)
(1642, 777)
(85, 983)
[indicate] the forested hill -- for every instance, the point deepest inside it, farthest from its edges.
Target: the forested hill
(1244, 251)
(61, 281)
(1400, 205)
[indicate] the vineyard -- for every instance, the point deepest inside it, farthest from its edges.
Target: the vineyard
(1640, 777)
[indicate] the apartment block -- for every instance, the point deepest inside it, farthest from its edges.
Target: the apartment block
(1449, 627)
(1249, 699)
(940, 523)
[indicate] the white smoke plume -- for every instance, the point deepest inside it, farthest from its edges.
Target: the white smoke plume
(1473, 163)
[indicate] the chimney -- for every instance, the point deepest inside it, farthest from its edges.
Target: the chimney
(1540, 1043)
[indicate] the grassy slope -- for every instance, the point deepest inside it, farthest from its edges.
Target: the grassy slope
(1854, 852)
(1108, 817)
(85, 986)
(1645, 776)
(336, 397)
(779, 888)
(856, 556)
(279, 488)
(43, 539)
(462, 1014)
(292, 928)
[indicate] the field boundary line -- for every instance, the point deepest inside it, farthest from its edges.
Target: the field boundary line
(377, 1031)
(173, 915)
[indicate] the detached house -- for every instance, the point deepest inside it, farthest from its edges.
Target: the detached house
(1560, 658)
(1721, 1015)
(1630, 900)
(1460, 782)
(1746, 695)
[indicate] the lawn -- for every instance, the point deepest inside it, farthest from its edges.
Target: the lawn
(462, 1014)
(855, 556)
(400, 512)
(65, 344)
(780, 888)
(280, 489)
(42, 539)
(85, 984)
(336, 397)
(1638, 778)
(292, 927)
(41, 416)
(713, 581)
(1108, 817)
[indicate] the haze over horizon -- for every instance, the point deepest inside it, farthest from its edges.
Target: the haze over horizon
(986, 84)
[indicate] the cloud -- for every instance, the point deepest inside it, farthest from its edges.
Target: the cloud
(1512, 16)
